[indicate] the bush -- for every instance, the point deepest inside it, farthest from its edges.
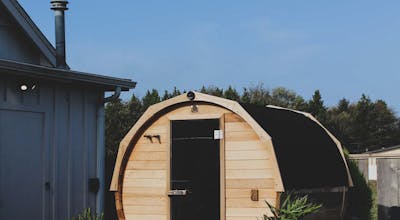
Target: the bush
(88, 215)
(292, 209)
(359, 198)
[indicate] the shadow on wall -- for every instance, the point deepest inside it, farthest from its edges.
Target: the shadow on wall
(110, 212)
(388, 213)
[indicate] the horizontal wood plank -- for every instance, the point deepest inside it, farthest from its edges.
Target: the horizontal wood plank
(133, 192)
(246, 155)
(147, 156)
(244, 145)
(256, 212)
(250, 183)
(232, 117)
(249, 174)
(138, 182)
(145, 174)
(248, 164)
(146, 201)
(246, 193)
(144, 217)
(149, 210)
(248, 203)
(237, 126)
(147, 165)
(241, 135)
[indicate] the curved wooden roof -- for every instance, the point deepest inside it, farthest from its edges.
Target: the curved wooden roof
(250, 117)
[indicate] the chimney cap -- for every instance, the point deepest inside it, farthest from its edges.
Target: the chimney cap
(59, 5)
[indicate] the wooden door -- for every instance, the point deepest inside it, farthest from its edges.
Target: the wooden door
(195, 170)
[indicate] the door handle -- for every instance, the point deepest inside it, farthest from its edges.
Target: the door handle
(178, 192)
(47, 185)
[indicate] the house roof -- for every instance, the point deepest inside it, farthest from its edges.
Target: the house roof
(388, 152)
(65, 76)
(31, 30)
(51, 73)
(305, 150)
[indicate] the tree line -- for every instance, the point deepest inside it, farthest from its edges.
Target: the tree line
(361, 126)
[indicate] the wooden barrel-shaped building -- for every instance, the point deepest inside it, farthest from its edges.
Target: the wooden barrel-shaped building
(197, 156)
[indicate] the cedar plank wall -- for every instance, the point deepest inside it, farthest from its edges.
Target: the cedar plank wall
(248, 165)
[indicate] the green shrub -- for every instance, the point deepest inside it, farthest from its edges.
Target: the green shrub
(359, 198)
(292, 208)
(88, 215)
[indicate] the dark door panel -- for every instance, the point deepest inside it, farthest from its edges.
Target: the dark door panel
(22, 188)
(195, 170)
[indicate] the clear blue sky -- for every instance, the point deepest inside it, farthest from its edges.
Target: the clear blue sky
(342, 48)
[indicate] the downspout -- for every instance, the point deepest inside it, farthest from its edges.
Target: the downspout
(101, 156)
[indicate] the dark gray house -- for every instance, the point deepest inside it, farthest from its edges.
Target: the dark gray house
(51, 123)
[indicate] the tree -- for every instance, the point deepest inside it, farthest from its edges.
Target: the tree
(175, 92)
(150, 98)
(245, 96)
(316, 107)
(339, 121)
(259, 95)
(287, 98)
(117, 123)
(166, 95)
(231, 94)
(212, 90)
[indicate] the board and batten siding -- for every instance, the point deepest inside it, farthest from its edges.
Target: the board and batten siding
(245, 165)
(57, 125)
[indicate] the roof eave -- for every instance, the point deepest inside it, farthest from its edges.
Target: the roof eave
(62, 75)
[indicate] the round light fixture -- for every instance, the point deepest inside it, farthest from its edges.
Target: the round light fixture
(190, 95)
(23, 87)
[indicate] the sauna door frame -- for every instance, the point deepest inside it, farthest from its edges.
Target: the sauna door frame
(221, 118)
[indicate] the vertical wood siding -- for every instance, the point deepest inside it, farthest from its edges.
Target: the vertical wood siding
(68, 143)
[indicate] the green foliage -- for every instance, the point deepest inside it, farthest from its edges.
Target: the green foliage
(316, 107)
(152, 97)
(88, 215)
(118, 120)
(362, 125)
(292, 208)
(286, 98)
(360, 196)
(231, 94)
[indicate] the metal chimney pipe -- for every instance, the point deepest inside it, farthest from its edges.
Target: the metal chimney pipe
(59, 7)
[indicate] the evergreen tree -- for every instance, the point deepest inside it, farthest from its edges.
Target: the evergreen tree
(245, 98)
(316, 107)
(166, 95)
(150, 98)
(231, 94)
(117, 123)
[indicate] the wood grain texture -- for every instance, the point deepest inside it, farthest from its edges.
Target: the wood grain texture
(246, 164)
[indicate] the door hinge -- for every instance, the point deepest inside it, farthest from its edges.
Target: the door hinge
(218, 134)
